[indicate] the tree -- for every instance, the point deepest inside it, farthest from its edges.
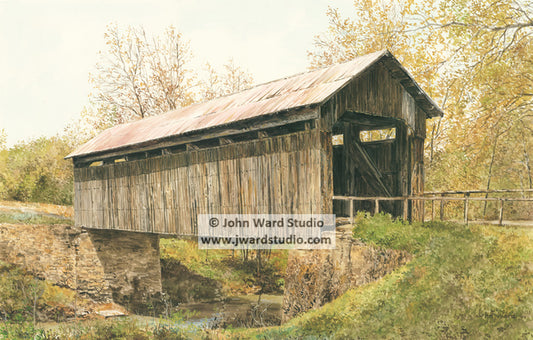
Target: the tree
(3, 139)
(231, 79)
(140, 76)
(36, 171)
(474, 58)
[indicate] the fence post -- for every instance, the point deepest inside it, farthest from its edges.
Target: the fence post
(405, 209)
(501, 212)
(442, 208)
(351, 212)
(376, 207)
(433, 210)
(467, 195)
(423, 210)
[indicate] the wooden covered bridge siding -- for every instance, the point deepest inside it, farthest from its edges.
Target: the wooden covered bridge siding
(164, 194)
(377, 100)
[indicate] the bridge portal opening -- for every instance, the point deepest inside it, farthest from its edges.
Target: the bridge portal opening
(366, 161)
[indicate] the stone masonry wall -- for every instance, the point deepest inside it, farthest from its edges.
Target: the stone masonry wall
(130, 262)
(315, 277)
(101, 265)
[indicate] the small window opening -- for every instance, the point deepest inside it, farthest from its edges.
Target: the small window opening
(119, 160)
(338, 139)
(97, 163)
(377, 135)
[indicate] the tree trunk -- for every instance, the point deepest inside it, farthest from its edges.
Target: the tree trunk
(490, 172)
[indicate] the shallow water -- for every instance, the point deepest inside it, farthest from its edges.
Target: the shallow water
(208, 314)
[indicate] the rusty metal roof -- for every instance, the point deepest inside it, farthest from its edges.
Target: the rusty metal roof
(304, 89)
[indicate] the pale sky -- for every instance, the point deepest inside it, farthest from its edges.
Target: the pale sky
(48, 48)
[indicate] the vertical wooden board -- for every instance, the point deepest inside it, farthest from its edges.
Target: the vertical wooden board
(258, 183)
(319, 178)
(87, 201)
(241, 185)
(211, 187)
(193, 193)
(91, 203)
(326, 157)
(189, 203)
(277, 183)
(202, 187)
(409, 110)
(178, 187)
(102, 198)
(148, 196)
(128, 198)
(305, 180)
(153, 198)
(313, 181)
(420, 125)
(155, 185)
(170, 203)
(153, 201)
(222, 179)
(143, 204)
(284, 181)
(315, 173)
(77, 202)
(117, 202)
(292, 189)
(226, 186)
(168, 191)
(111, 196)
(265, 180)
(248, 175)
(173, 207)
(134, 202)
(234, 186)
(245, 188)
(166, 194)
(79, 198)
(145, 189)
(184, 218)
(159, 225)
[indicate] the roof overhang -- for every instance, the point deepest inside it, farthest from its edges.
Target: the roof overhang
(266, 105)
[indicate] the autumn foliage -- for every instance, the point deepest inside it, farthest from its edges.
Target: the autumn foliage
(475, 59)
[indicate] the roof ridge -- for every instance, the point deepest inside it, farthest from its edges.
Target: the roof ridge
(383, 51)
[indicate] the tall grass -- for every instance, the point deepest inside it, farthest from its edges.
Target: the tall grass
(464, 282)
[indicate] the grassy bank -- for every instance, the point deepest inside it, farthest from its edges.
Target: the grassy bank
(13, 212)
(235, 274)
(464, 282)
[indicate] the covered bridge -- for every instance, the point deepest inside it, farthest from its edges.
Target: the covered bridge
(287, 146)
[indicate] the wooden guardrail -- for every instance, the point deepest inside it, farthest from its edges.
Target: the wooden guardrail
(443, 198)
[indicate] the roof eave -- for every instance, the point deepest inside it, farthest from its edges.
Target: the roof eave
(405, 78)
(156, 143)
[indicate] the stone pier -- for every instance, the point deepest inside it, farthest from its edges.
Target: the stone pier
(315, 277)
(104, 265)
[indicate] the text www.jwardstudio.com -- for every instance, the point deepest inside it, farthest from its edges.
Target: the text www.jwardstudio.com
(238, 241)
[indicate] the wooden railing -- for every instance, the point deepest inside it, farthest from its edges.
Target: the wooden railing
(442, 197)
